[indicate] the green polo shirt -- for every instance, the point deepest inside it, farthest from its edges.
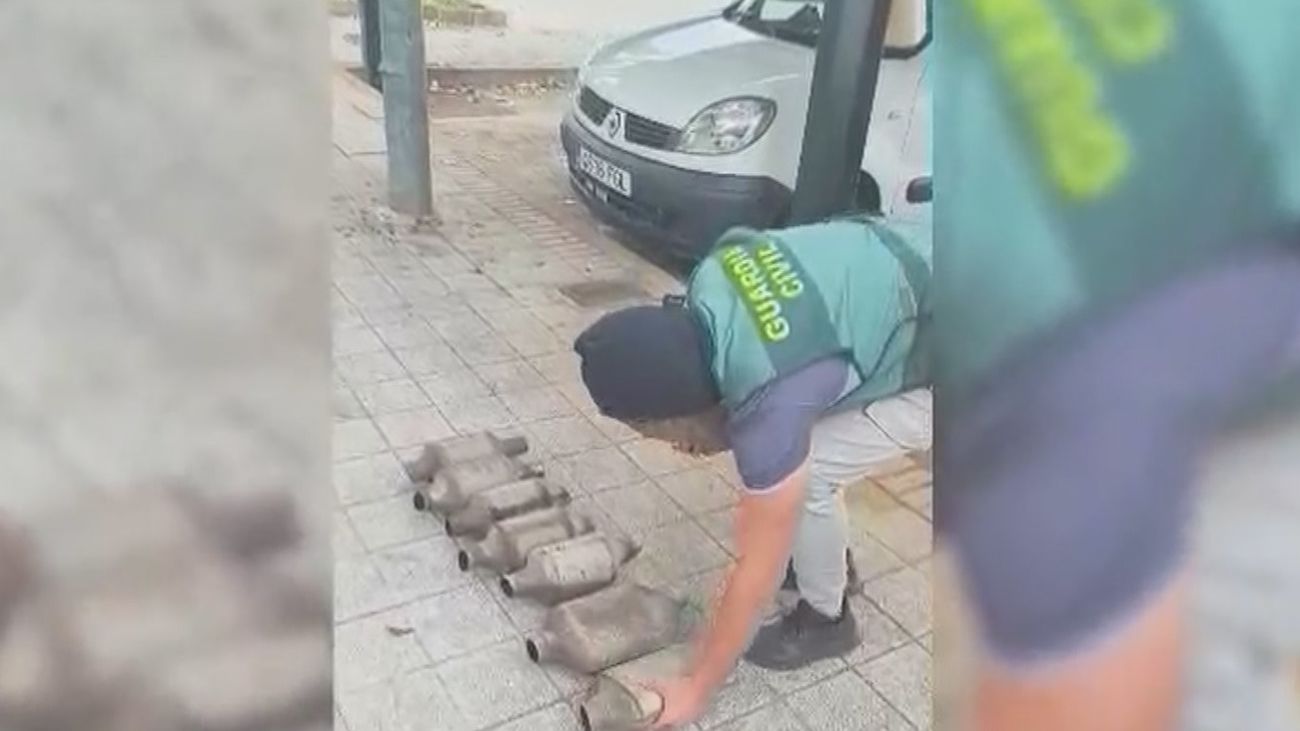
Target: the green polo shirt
(1087, 149)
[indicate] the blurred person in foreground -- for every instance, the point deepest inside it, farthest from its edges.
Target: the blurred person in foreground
(803, 353)
(1116, 273)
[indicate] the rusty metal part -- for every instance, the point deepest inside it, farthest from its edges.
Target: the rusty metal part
(507, 544)
(438, 455)
(621, 699)
(502, 502)
(454, 485)
(610, 627)
(569, 569)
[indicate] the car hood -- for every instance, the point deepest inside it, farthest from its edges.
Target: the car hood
(670, 73)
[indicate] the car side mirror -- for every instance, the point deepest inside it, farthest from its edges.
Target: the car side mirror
(920, 190)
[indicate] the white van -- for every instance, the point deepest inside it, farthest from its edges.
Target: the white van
(682, 131)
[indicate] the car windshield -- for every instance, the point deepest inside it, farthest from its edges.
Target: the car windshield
(798, 21)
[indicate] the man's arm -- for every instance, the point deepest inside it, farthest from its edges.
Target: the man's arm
(1129, 684)
(765, 528)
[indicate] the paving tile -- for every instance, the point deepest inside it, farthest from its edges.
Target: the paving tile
(556, 717)
(721, 526)
(369, 478)
(536, 404)
(354, 340)
(392, 314)
(478, 413)
(496, 684)
(533, 343)
(902, 531)
(562, 366)
(645, 570)
(511, 375)
(926, 567)
(870, 555)
(903, 677)
(459, 322)
(576, 391)
(390, 522)
(880, 633)
(699, 490)
(410, 428)
(366, 368)
(558, 314)
(359, 588)
(390, 397)
(416, 701)
(486, 301)
(356, 438)
(482, 348)
(772, 717)
(459, 621)
(565, 436)
(601, 469)
(374, 649)
(409, 334)
(512, 318)
(743, 693)
(683, 549)
(343, 539)
(429, 359)
(568, 684)
(422, 568)
(658, 458)
(905, 596)
(639, 508)
(346, 404)
(724, 465)
(790, 681)
(903, 482)
(845, 703)
(454, 385)
(922, 501)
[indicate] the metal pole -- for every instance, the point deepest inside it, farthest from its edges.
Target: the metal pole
(406, 110)
(839, 108)
(371, 50)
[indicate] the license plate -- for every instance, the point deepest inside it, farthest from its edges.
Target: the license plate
(605, 173)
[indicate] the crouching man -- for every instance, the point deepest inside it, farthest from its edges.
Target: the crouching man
(803, 352)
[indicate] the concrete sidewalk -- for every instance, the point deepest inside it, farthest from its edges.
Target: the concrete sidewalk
(462, 328)
(541, 34)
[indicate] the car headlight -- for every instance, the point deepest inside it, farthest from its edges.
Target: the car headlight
(728, 126)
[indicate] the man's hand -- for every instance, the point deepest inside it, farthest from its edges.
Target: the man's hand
(684, 702)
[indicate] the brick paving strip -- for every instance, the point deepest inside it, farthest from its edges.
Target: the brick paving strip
(461, 327)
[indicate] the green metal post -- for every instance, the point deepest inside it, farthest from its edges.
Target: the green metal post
(843, 90)
(406, 110)
(371, 48)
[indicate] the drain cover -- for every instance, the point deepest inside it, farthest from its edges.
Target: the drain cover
(604, 293)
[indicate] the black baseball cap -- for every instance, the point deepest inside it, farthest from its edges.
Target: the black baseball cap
(647, 362)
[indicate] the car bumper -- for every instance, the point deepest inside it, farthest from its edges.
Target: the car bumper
(685, 210)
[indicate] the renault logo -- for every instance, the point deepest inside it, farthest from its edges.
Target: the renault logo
(614, 124)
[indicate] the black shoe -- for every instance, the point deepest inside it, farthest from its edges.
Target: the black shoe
(803, 637)
(854, 584)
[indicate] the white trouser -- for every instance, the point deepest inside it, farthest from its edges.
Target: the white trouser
(847, 447)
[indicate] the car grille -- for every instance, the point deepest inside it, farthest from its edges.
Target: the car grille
(640, 131)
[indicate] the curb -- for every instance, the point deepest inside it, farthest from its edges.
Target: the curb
(448, 78)
(474, 16)
(453, 78)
